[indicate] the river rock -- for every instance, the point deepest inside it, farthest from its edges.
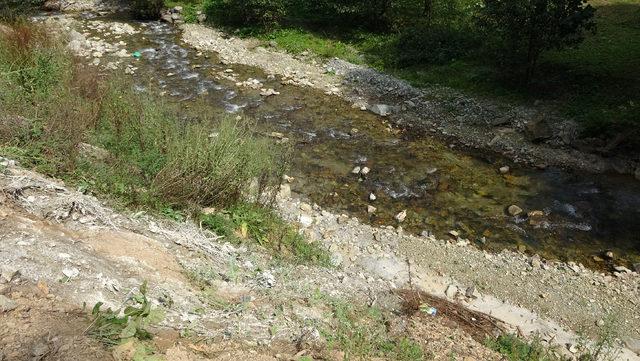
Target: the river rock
(381, 109)
(514, 210)
(371, 209)
(355, 170)
(538, 130)
(372, 197)
(400, 217)
(636, 267)
(504, 170)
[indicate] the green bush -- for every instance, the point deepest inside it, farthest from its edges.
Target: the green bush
(147, 9)
(262, 13)
(432, 45)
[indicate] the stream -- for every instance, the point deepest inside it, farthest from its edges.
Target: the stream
(577, 216)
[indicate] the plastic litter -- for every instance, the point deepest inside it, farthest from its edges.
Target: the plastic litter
(137, 55)
(431, 311)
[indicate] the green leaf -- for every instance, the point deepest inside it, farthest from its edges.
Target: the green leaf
(128, 331)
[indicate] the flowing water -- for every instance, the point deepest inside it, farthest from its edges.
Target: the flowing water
(442, 189)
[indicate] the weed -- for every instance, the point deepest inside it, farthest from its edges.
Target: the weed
(260, 224)
(516, 349)
(112, 327)
(360, 332)
(606, 347)
(214, 168)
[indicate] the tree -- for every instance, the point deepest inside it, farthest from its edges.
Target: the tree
(527, 28)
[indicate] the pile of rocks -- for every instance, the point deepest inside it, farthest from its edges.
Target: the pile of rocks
(176, 15)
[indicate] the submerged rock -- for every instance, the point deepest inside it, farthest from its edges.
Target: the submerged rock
(514, 210)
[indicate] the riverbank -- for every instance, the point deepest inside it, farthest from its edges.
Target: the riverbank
(477, 124)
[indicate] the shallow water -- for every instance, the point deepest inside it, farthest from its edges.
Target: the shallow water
(443, 189)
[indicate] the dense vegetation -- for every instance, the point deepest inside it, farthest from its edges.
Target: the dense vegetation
(582, 59)
(65, 120)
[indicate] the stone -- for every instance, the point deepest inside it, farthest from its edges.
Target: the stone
(622, 269)
(504, 170)
(355, 170)
(306, 207)
(285, 191)
(71, 272)
(371, 209)
(454, 233)
(52, 5)
(167, 18)
(372, 197)
(202, 18)
(305, 221)
(381, 109)
(400, 217)
(268, 92)
(636, 267)
(537, 130)
(451, 291)
(633, 344)
(471, 292)
(608, 255)
(514, 210)
(365, 170)
(267, 279)
(7, 304)
(9, 273)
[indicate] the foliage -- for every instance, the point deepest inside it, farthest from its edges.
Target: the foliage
(10, 10)
(361, 333)
(112, 327)
(147, 9)
(266, 13)
(527, 28)
(516, 349)
(253, 221)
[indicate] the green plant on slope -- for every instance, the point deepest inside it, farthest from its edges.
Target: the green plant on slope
(113, 327)
(261, 225)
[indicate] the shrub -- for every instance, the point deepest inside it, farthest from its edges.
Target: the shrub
(147, 9)
(432, 45)
(217, 167)
(263, 13)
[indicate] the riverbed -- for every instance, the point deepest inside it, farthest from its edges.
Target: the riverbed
(446, 191)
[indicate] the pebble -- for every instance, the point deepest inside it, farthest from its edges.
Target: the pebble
(372, 197)
(71, 272)
(505, 169)
(400, 217)
(365, 170)
(355, 170)
(514, 210)
(371, 209)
